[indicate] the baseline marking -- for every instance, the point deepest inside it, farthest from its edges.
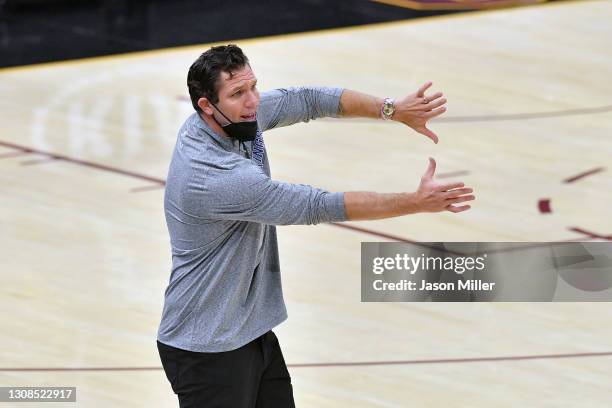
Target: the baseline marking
(339, 364)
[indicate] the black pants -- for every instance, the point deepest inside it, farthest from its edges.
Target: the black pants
(253, 376)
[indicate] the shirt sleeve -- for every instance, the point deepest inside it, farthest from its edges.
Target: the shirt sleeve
(246, 193)
(286, 106)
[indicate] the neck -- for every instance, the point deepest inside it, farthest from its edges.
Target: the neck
(213, 124)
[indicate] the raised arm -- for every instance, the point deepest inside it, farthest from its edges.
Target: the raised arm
(431, 196)
(286, 106)
(414, 110)
(242, 191)
(247, 194)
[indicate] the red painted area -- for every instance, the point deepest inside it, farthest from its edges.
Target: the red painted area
(544, 205)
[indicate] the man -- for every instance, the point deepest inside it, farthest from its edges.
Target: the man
(225, 295)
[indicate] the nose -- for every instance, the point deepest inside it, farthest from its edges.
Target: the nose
(253, 99)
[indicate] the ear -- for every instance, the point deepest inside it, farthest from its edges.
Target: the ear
(205, 106)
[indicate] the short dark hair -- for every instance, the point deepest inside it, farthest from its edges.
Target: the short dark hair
(204, 73)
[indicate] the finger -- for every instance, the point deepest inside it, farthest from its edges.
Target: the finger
(429, 99)
(457, 192)
(428, 133)
(432, 104)
(461, 199)
(449, 186)
(431, 169)
(434, 113)
(422, 89)
(458, 209)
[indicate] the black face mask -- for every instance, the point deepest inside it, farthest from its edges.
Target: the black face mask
(242, 131)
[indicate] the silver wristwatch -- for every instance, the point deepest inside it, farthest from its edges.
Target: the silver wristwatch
(387, 109)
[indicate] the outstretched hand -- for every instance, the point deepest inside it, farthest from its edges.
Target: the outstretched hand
(435, 197)
(416, 109)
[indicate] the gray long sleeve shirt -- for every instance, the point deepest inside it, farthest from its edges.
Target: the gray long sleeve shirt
(221, 208)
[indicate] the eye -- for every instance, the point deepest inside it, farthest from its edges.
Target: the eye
(238, 93)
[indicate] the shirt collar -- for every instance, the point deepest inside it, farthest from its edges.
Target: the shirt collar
(226, 142)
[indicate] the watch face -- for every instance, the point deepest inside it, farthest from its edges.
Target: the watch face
(388, 109)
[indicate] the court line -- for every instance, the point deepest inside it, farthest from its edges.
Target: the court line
(584, 174)
(162, 182)
(85, 163)
(544, 203)
(587, 236)
(338, 364)
(591, 235)
(376, 233)
(456, 360)
(390, 236)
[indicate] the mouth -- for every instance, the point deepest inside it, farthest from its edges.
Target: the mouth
(252, 116)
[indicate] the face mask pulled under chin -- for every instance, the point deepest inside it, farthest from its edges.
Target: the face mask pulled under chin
(241, 131)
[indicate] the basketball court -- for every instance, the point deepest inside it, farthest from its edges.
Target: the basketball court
(85, 147)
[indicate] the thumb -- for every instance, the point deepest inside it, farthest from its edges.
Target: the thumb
(429, 174)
